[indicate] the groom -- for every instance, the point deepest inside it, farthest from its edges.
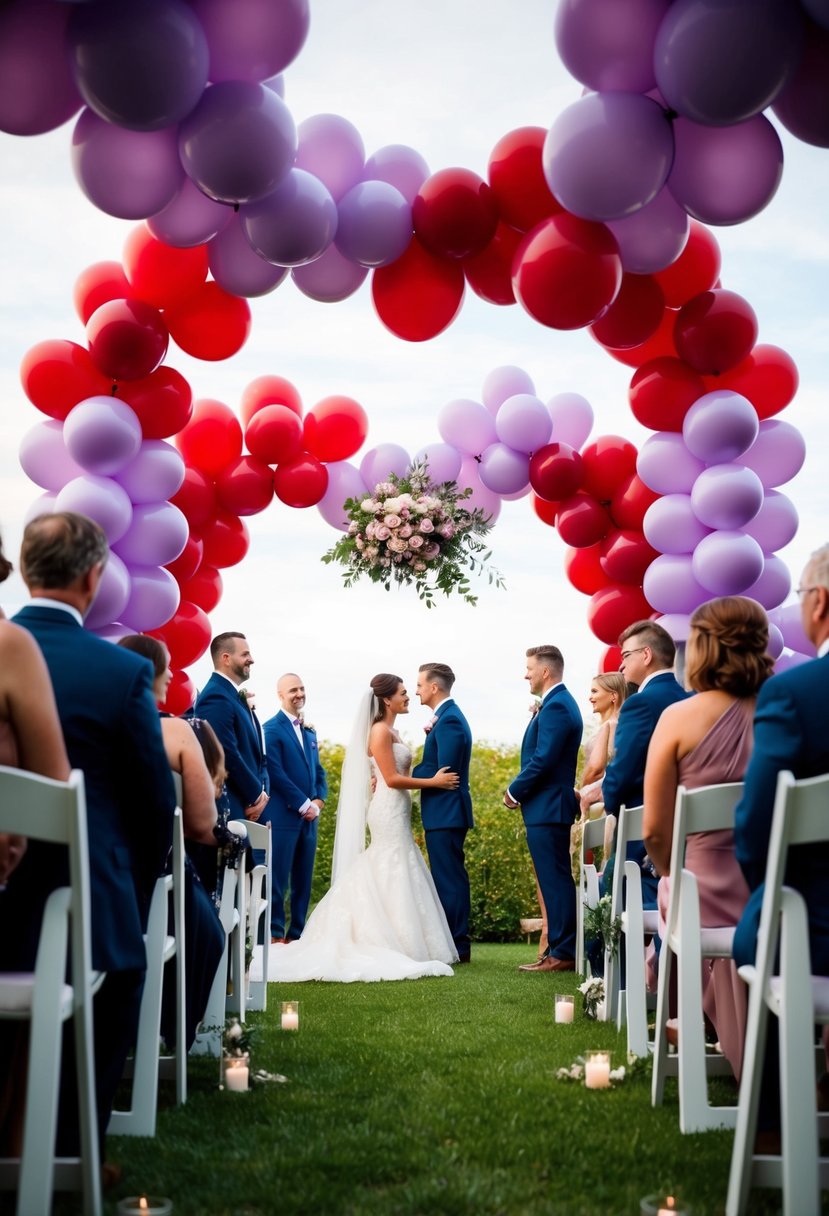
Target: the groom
(447, 814)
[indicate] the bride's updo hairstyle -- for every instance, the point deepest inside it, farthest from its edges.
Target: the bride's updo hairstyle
(384, 685)
(728, 647)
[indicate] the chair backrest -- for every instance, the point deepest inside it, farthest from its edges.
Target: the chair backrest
(628, 828)
(707, 809)
(593, 834)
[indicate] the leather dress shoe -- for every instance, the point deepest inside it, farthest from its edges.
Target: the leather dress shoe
(550, 963)
(464, 958)
(279, 941)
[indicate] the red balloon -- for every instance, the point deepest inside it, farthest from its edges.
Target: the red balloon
(768, 378)
(419, 295)
(196, 497)
(612, 609)
(608, 461)
(204, 588)
(181, 694)
(163, 401)
(662, 391)
(301, 482)
(455, 213)
(226, 540)
(584, 570)
(57, 374)
(696, 269)
(581, 521)
(659, 345)
(625, 556)
(516, 175)
(335, 428)
(97, 285)
(245, 487)
(630, 502)
(210, 323)
(556, 471)
(160, 274)
(715, 331)
(127, 339)
(611, 659)
(274, 434)
(188, 561)
(567, 272)
(269, 390)
(489, 273)
(212, 438)
(545, 510)
(186, 635)
(634, 315)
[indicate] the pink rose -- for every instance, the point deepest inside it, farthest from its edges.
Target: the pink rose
(415, 542)
(381, 532)
(405, 531)
(431, 550)
(426, 525)
(447, 530)
(392, 521)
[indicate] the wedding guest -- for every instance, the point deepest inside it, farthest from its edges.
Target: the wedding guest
(607, 695)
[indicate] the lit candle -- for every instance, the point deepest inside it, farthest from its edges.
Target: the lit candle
(597, 1070)
(564, 1008)
(290, 1015)
(663, 1205)
(145, 1205)
(237, 1075)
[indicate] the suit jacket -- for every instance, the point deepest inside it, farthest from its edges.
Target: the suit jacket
(545, 787)
(111, 727)
(449, 743)
(295, 772)
(240, 736)
(625, 776)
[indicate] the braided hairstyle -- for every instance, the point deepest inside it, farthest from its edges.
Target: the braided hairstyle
(728, 647)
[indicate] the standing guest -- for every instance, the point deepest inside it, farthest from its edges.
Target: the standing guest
(607, 696)
(110, 724)
(446, 813)
(298, 788)
(545, 791)
(236, 725)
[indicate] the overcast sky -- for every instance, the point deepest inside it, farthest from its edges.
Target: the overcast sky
(449, 77)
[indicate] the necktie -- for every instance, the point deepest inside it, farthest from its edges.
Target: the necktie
(297, 722)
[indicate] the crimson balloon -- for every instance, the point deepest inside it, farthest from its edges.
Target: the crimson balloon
(715, 331)
(57, 374)
(768, 377)
(335, 428)
(160, 274)
(625, 556)
(584, 570)
(245, 487)
(269, 390)
(188, 561)
(196, 498)
(127, 339)
(489, 273)
(662, 391)
(696, 269)
(204, 588)
(659, 345)
(301, 482)
(181, 694)
(556, 471)
(544, 509)
(226, 540)
(516, 175)
(581, 521)
(274, 434)
(567, 272)
(607, 461)
(210, 323)
(186, 635)
(162, 401)
(212, 438)
(419, 295)
(612, 609)
(630, 502)
(634, 315)
(97, 285)
(455, 213)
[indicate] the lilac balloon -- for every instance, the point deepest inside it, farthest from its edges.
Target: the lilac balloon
(773, 585)
(252, 39)
(102, 434)
(523, 423)
(678, 625)
(128, 174)
(156, 536)
(239, 142)
(331, 149)
(294, 224)
(237, 268)
(665, 464)
(775, 524)
(516, 494)
(789, 620)
(725, 175)
(330, 277)
(503, 470)
(112, 633)
(155, 474)
(374, 224)
(671, 526)
(467, 425)
(154, 598)
(777, 453)
(727, 496)
(344, 482)
(789, 659)
(572, 417)
(44, 458)
(44, 504)
(504, 382)
(399, 166)
(482, 497)
(671, 586)
(37, 89)
(102, 499)
(190, 219)
(443, 461)
(720, 426)
(801, 105)
(652, 237)
(379, 462)
(608, 44)
(608, 154)
(112, 595)
(727, 562)
(776, 643)
(277, 83)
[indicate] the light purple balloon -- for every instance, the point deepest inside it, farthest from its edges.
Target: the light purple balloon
(608, 44)
(154, 598)
(773, 585)
(37, 89)
(467, 425)
(727, 562)
(252, 39)
(776, 643)
(608, 154)
(725, 175)
(572, 417)
(665, 464)
(486, 499)
(44, 458)
(777, 453)
(277, 83)
(112, 595)
(190, 219)
(652, 237)
(503, 470)
(443, 460)
(102, 434)
(294, 224)
(671, 526)
(374, 224)
(344, 481)
(678, 625)
(156, 536)
(380, 461)
(44, 504)
(238, 268)
(789, 620)
(331, 148)
(128, 174)
(239, 142)
(523, 423)
(100, 498)
(504, 382)
(155, 474)
(789, 659)
(112, 633)
(670, 584)
(720, 426)
(727, 496)
(330, 277)
(400, 166)
(775, 524)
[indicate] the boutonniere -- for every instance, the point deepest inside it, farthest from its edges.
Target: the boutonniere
(308, 726)
(535, 706)
(432, 721)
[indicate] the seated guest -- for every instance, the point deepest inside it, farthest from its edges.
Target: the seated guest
(706, 740)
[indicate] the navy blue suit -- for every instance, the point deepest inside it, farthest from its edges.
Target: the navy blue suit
(240, 735)
(545, 788)
(296, 777)
(447, 816)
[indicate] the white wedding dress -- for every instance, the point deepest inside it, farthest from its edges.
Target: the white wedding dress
(381, 920)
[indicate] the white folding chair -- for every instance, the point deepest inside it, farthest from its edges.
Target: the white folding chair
(639, 925)
(587, 891)
(55, 812)
(259, 883)
(709, 809)
(209, 1037)
(628, 828)
(799, 1000)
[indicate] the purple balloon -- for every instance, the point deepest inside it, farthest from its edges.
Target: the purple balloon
(128, 174)
(381, 461)
(727, 562)
(665, 464)
(488, 501)
(238, 268)
(443, 461)
(652, 237)
(608, 44)
(190, 219)
(155, 474)
(374, 225)
(154, 598)
(399, 166)
(44, 504)
(727, 496)
(330, 277)
(37, 89)
(775, 524)
(102, 434)
(112, 595)
(671, 586)
(678, 625)
(239, 142)
(523, 423)
(252, 39)
(503, 470)
(44, 458)
(776, 643)
(331, 149)
(467, 425)
(112, 633)
(789, 659)
(294, 224)
(344, 482)
(801, 106)
(102, 499)
(572, 417)
(156, 536)
(789, 620)
(720, 426)
(504, 382)
(818, 10)
(773, 585)
(671, 526)
(697, 70)
(725, 175)
(777, 453)
(608, 154)
(277, 83)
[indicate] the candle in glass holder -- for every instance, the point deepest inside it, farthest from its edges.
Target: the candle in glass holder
(597, 1069)
(564, 1008)
(237, 1074)
(290, 1015)
(664, 1205)
(144, 1205)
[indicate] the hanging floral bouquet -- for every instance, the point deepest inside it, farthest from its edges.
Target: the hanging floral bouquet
(412, 531)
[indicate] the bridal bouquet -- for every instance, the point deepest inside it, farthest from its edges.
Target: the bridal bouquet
(409, 530)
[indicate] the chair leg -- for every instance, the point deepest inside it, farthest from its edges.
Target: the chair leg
(742, 1153)
(660, 1045)
(801, 1188)
(636, 1013)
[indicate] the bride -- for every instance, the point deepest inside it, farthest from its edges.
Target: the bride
(381, 918)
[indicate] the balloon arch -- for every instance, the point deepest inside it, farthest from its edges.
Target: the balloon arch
(598, 222)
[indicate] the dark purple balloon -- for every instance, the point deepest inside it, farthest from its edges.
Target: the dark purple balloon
(37, 89)
(329, 278)
(190, 219)
(608, 44)
(252, 39)
(725, 175)
(294, 224)
(375, 224)
(128, 174)
(803, 105)
(237, 268)
(652, 237)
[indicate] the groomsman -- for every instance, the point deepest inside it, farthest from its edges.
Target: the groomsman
(545, 791)
(298, 788)
(446, 814)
